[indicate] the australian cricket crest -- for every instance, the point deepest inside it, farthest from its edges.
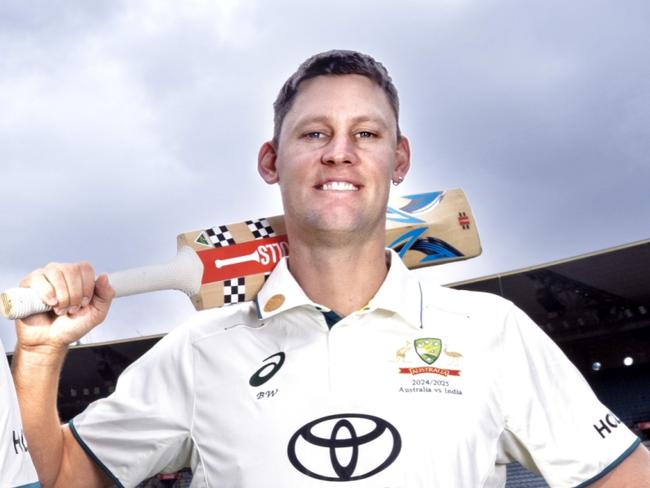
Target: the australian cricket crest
(427, 379)
(428, 348)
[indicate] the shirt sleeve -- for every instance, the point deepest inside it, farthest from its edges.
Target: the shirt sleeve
(144, 427)
(562, 430)
(16, 468)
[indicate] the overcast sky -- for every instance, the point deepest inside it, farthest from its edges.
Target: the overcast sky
(123, 123)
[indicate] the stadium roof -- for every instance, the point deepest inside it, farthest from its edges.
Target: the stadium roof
(596, 306)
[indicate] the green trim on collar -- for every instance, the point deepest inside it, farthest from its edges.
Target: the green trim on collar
(331, 317)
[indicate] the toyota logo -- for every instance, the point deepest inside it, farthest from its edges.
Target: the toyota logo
(329, 448)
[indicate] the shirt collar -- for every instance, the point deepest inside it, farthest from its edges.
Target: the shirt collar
(280, 293)
(399, 293)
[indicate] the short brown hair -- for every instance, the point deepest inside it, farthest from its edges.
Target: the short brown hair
(335, 62)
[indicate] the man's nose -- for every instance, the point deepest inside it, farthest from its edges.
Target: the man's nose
(340, 150)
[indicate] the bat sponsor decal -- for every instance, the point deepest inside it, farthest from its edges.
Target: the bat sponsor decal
(431, 247)
(463, 220)
(417, 204)
(244, 259)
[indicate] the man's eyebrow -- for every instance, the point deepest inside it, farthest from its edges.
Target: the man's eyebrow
(370, 118)
(309, 119)
(324, 119)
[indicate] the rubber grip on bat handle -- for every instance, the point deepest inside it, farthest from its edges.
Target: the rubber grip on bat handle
(18, 303)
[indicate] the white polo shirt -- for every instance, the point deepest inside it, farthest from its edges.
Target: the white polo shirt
(424, 387)
(16, 468)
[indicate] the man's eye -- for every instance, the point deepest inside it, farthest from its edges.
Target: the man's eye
(365, 134)
(314, 135)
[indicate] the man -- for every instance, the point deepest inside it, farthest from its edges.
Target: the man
(16, 468)
(304, 387)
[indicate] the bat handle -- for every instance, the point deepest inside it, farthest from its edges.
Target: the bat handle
(183, 273)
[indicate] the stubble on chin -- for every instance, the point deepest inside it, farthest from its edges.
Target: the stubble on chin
(317, 228)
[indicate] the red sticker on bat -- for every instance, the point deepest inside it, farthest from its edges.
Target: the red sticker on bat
(248, 258)
(463, 220)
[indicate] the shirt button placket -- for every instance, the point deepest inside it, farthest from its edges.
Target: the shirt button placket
(335, 336)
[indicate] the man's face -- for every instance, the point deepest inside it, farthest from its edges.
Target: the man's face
(336, 155)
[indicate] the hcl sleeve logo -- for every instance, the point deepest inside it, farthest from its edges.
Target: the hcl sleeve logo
(604, 426)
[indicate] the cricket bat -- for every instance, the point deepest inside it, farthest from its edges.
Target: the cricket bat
(228, 264)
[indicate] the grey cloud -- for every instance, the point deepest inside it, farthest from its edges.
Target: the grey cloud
(122, 124)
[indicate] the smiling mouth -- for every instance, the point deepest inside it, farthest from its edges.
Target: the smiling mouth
(338, 186)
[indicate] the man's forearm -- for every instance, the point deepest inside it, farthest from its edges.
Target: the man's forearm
(633, 472)
(80, 302)
(36, 375)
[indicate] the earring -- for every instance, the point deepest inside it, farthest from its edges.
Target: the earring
(398, 181)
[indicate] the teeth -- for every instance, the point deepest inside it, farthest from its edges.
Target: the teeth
(339, 186)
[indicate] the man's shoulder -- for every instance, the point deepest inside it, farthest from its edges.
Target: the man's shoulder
(218, 321)
(466, 302)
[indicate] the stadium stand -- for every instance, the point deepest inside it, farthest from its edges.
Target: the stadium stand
(596, 307)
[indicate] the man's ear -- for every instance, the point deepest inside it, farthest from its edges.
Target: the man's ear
(266, 160)
(402, 159)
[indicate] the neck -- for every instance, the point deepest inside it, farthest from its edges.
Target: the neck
(341, 277)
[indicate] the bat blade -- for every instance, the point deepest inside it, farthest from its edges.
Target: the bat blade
(229, 263)
(424, 229)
